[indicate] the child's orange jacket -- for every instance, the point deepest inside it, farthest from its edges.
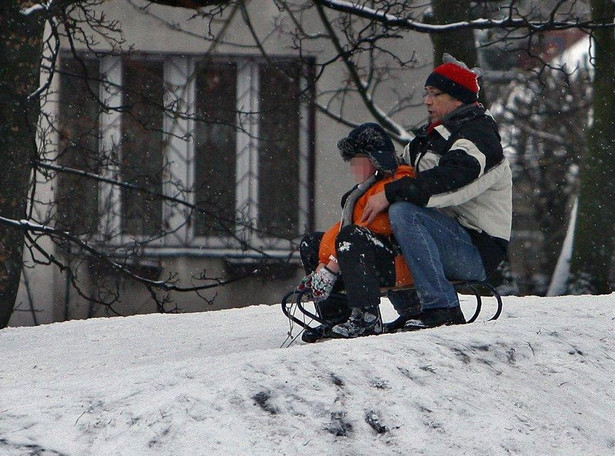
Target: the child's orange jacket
(380, 225)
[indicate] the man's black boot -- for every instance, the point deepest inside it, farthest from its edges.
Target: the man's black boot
(431, 318)
(407, 305)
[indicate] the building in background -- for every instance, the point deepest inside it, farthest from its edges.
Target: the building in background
(233, 139)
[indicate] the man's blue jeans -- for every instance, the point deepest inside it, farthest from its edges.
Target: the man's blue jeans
(437, 249)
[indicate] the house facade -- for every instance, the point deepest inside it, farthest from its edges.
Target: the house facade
(216, 157)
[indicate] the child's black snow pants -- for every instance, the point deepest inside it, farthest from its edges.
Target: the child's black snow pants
(367, 262)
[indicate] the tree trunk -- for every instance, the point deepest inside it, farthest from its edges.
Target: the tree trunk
(20, 53)
(595, 229)
(459, 44)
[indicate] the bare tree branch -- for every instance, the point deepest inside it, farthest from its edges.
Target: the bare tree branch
(382, 16)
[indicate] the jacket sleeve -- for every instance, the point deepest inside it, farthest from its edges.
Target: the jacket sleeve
(448, 181)
(327, 244)
(454, 171)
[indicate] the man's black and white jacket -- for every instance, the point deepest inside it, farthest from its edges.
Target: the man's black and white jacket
(462, 171)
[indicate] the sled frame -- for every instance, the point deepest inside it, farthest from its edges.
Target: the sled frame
(294, 299)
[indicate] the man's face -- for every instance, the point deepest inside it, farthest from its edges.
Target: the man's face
(439, 103)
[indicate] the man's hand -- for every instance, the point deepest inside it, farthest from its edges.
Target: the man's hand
(375, 205)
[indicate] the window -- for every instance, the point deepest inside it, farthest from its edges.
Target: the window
(279, 157)
(141, 146)
(215, 152)
(232, 137)
(78, 132)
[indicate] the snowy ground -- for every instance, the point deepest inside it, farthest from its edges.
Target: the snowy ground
(539, 381)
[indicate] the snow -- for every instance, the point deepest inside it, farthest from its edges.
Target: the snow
(538, 381)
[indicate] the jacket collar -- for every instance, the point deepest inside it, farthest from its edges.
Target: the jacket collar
(460, 115)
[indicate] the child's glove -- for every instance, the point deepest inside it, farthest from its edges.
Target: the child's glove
(320, 283)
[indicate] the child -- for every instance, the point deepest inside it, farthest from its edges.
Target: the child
(353, 255)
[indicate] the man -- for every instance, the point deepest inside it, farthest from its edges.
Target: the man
(453, 220)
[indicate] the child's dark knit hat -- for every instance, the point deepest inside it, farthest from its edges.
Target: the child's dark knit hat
(456, 80)
(370, 139)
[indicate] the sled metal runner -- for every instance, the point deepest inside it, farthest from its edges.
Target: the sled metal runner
(293, 301)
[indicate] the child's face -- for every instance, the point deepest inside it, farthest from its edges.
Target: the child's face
(361, 167)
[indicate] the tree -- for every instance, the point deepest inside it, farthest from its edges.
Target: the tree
(359, 36)
(20, 57)
(459, 43)
(595, 228)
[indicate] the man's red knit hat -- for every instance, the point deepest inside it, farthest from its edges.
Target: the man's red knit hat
(457, 81)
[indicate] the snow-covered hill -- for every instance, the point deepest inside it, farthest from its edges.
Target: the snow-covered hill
(539, 381)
